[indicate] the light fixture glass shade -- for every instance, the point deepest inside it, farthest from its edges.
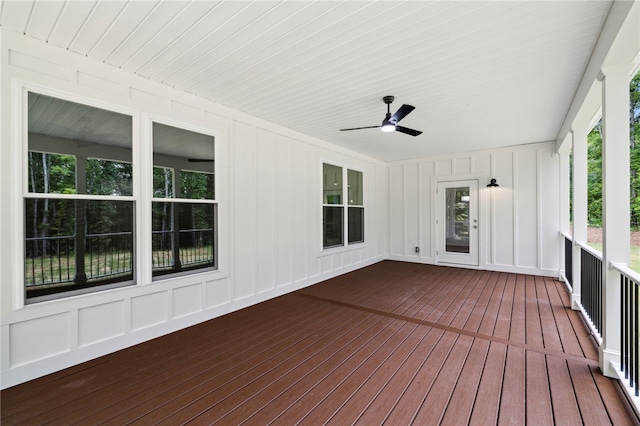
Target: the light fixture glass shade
(387, 126)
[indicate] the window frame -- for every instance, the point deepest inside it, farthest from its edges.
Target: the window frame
(26, 194)
(141, 197)
(176, 199)
(345, 205)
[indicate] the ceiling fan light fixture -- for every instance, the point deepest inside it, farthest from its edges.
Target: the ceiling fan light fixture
(387, 126)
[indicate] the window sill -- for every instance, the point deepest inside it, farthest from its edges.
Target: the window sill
(341, 249)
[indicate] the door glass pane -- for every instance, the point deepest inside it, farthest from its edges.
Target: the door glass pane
(457, 220)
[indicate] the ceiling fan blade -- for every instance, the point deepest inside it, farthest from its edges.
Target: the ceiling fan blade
(360, 128)
(200, 160)
(408, 131)
(402, 113)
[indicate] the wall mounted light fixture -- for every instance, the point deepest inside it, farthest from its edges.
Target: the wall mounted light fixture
(492, 183)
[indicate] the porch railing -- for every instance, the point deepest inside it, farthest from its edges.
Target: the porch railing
(591, 296)
(52, 260)
(195, 247)
(49, 260)
(629, 327)
(568, 259)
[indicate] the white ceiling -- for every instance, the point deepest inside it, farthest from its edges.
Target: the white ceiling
(481, 74)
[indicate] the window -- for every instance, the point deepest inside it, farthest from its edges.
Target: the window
(334, 225)
(183, 209)
(78, 205)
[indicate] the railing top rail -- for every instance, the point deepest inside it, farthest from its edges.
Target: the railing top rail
(183, 230)
(110, 234)
(61, 237)
(626, 271)
(595, 253)
(566, 235)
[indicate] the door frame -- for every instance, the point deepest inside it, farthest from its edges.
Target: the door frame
(483, 222)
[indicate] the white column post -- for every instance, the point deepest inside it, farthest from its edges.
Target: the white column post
(579, 196)
(615, 206)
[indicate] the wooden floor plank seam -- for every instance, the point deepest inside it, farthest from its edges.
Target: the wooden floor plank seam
(457, 330)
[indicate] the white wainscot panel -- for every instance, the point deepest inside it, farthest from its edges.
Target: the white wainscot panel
(526, 209)
(244, 211)
(462, 166)
(359, 255)
(108, 86)
(284, 219)
(101, 322)
(444, 167)
(327, 263)
(302, 228)
(185, 109)
(187, 300)
(412, 210)
(548, 210)
(148, 98)
(427, 170)
(502, 210)
(20, 60)
(347, 258)
(266, 189)
(218, 292)
(396, 210)
(148, 310)
(482, 164)
(39, 338)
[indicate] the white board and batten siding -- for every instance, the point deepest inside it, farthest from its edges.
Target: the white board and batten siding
(269, 189)
(518, 220)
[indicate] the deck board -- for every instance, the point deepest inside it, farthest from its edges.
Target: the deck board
(395, 342)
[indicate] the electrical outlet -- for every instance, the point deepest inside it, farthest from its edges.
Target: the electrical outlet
(417, 249)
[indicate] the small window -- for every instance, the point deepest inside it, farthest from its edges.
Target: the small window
(335, 225)
(184, 210)
(77, 238)
(356, 208)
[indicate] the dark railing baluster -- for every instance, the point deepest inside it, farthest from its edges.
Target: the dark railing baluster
(568, 259)
(636, 321)
(591, 287)
(110, 254)
(629, 328)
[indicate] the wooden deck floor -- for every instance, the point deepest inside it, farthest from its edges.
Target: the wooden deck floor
(393, 343)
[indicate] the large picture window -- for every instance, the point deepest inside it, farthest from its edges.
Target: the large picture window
(184, 208)
(79, 208)
(338, 198)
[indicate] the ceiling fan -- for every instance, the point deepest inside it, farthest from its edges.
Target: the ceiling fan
(390, 122)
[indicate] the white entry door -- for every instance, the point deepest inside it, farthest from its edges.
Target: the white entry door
(457, 222)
